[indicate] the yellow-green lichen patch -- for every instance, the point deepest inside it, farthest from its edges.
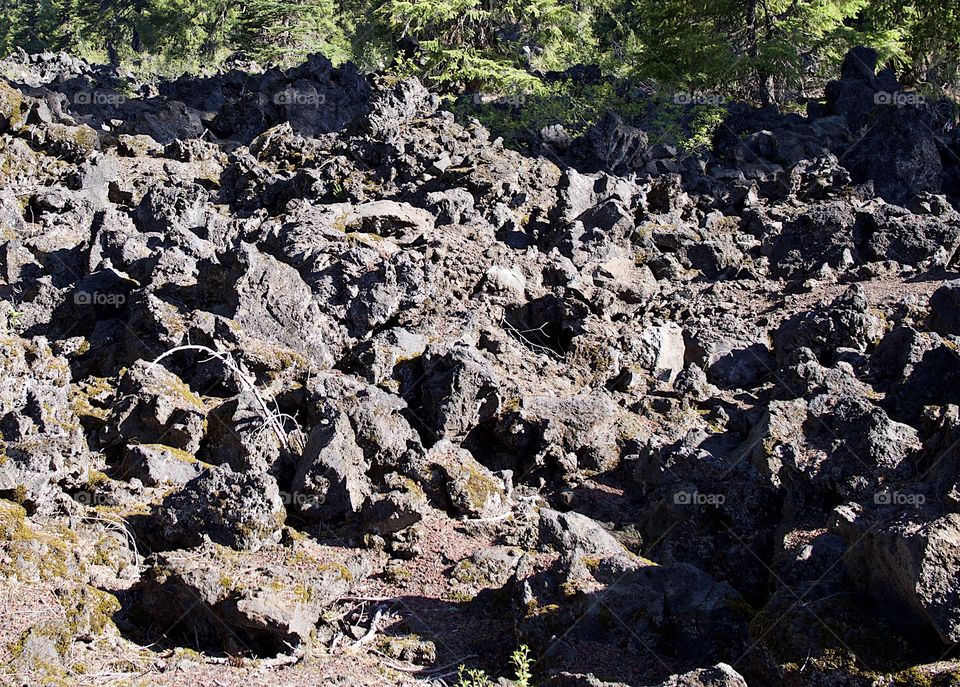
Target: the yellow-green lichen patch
(44, 650)
(13, 519)
(339, 568)
(480, 489)
(34, 553)
(11, 107)
(180, 390)
(89, 611)
(912, 677)
(177, 453)
(91, 398)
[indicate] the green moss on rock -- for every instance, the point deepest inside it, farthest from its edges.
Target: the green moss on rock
(11, 107)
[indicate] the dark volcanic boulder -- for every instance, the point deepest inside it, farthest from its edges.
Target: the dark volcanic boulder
(612, 145)
(821, 234)
(690, 618)
(331, 481)
(846, 323)
(945, 309)
(720, 675)
(921, 240)
(854, 95)
(211, 599)
(156, 407)
(933, 380)
(461, 387)
(173, 121)
(898, 153)
(908, 562)
(41, 440)
(241, 511)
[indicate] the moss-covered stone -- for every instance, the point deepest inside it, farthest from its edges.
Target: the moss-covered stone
(11, 107)
(44, 650)
(31, 552)
(71, 143)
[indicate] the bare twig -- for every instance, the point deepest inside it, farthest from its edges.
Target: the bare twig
(492, 518)
(271, 418)
(371, 633)
(420, 669)
(120, 525)
(519, 334)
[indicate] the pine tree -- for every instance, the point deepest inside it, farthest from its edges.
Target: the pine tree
(752, 48)
(34, 25)
(929, 32)
(483, 43)
(110, 25)
(286, 31)
(759, 49)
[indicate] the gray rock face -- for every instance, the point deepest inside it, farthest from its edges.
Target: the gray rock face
(387, 218)
(43, 442)
(164, 209)
(891, 233)
(885, 130)
(869, 434)
(663, 350)
(720, 675)
(400, 506)
(853, 96)
(157, 465)
(932, 380)
(900, 351)
(775, 443)
(679, 601)
(577, 534)
(156, 407)
(821, 234)
(461, 389)
(732, 359)
(578, 680)
(274, 304)
(686, 600)
(173, 121)
(908, 562)
(391, 109)
(585, 431)
(331, 482)
(271, 610)
(72, 143)
(473, 490)
(945, 309)
(847, 323)
(898, 153)
(237, 437)
(611, 144)
(240, 511)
